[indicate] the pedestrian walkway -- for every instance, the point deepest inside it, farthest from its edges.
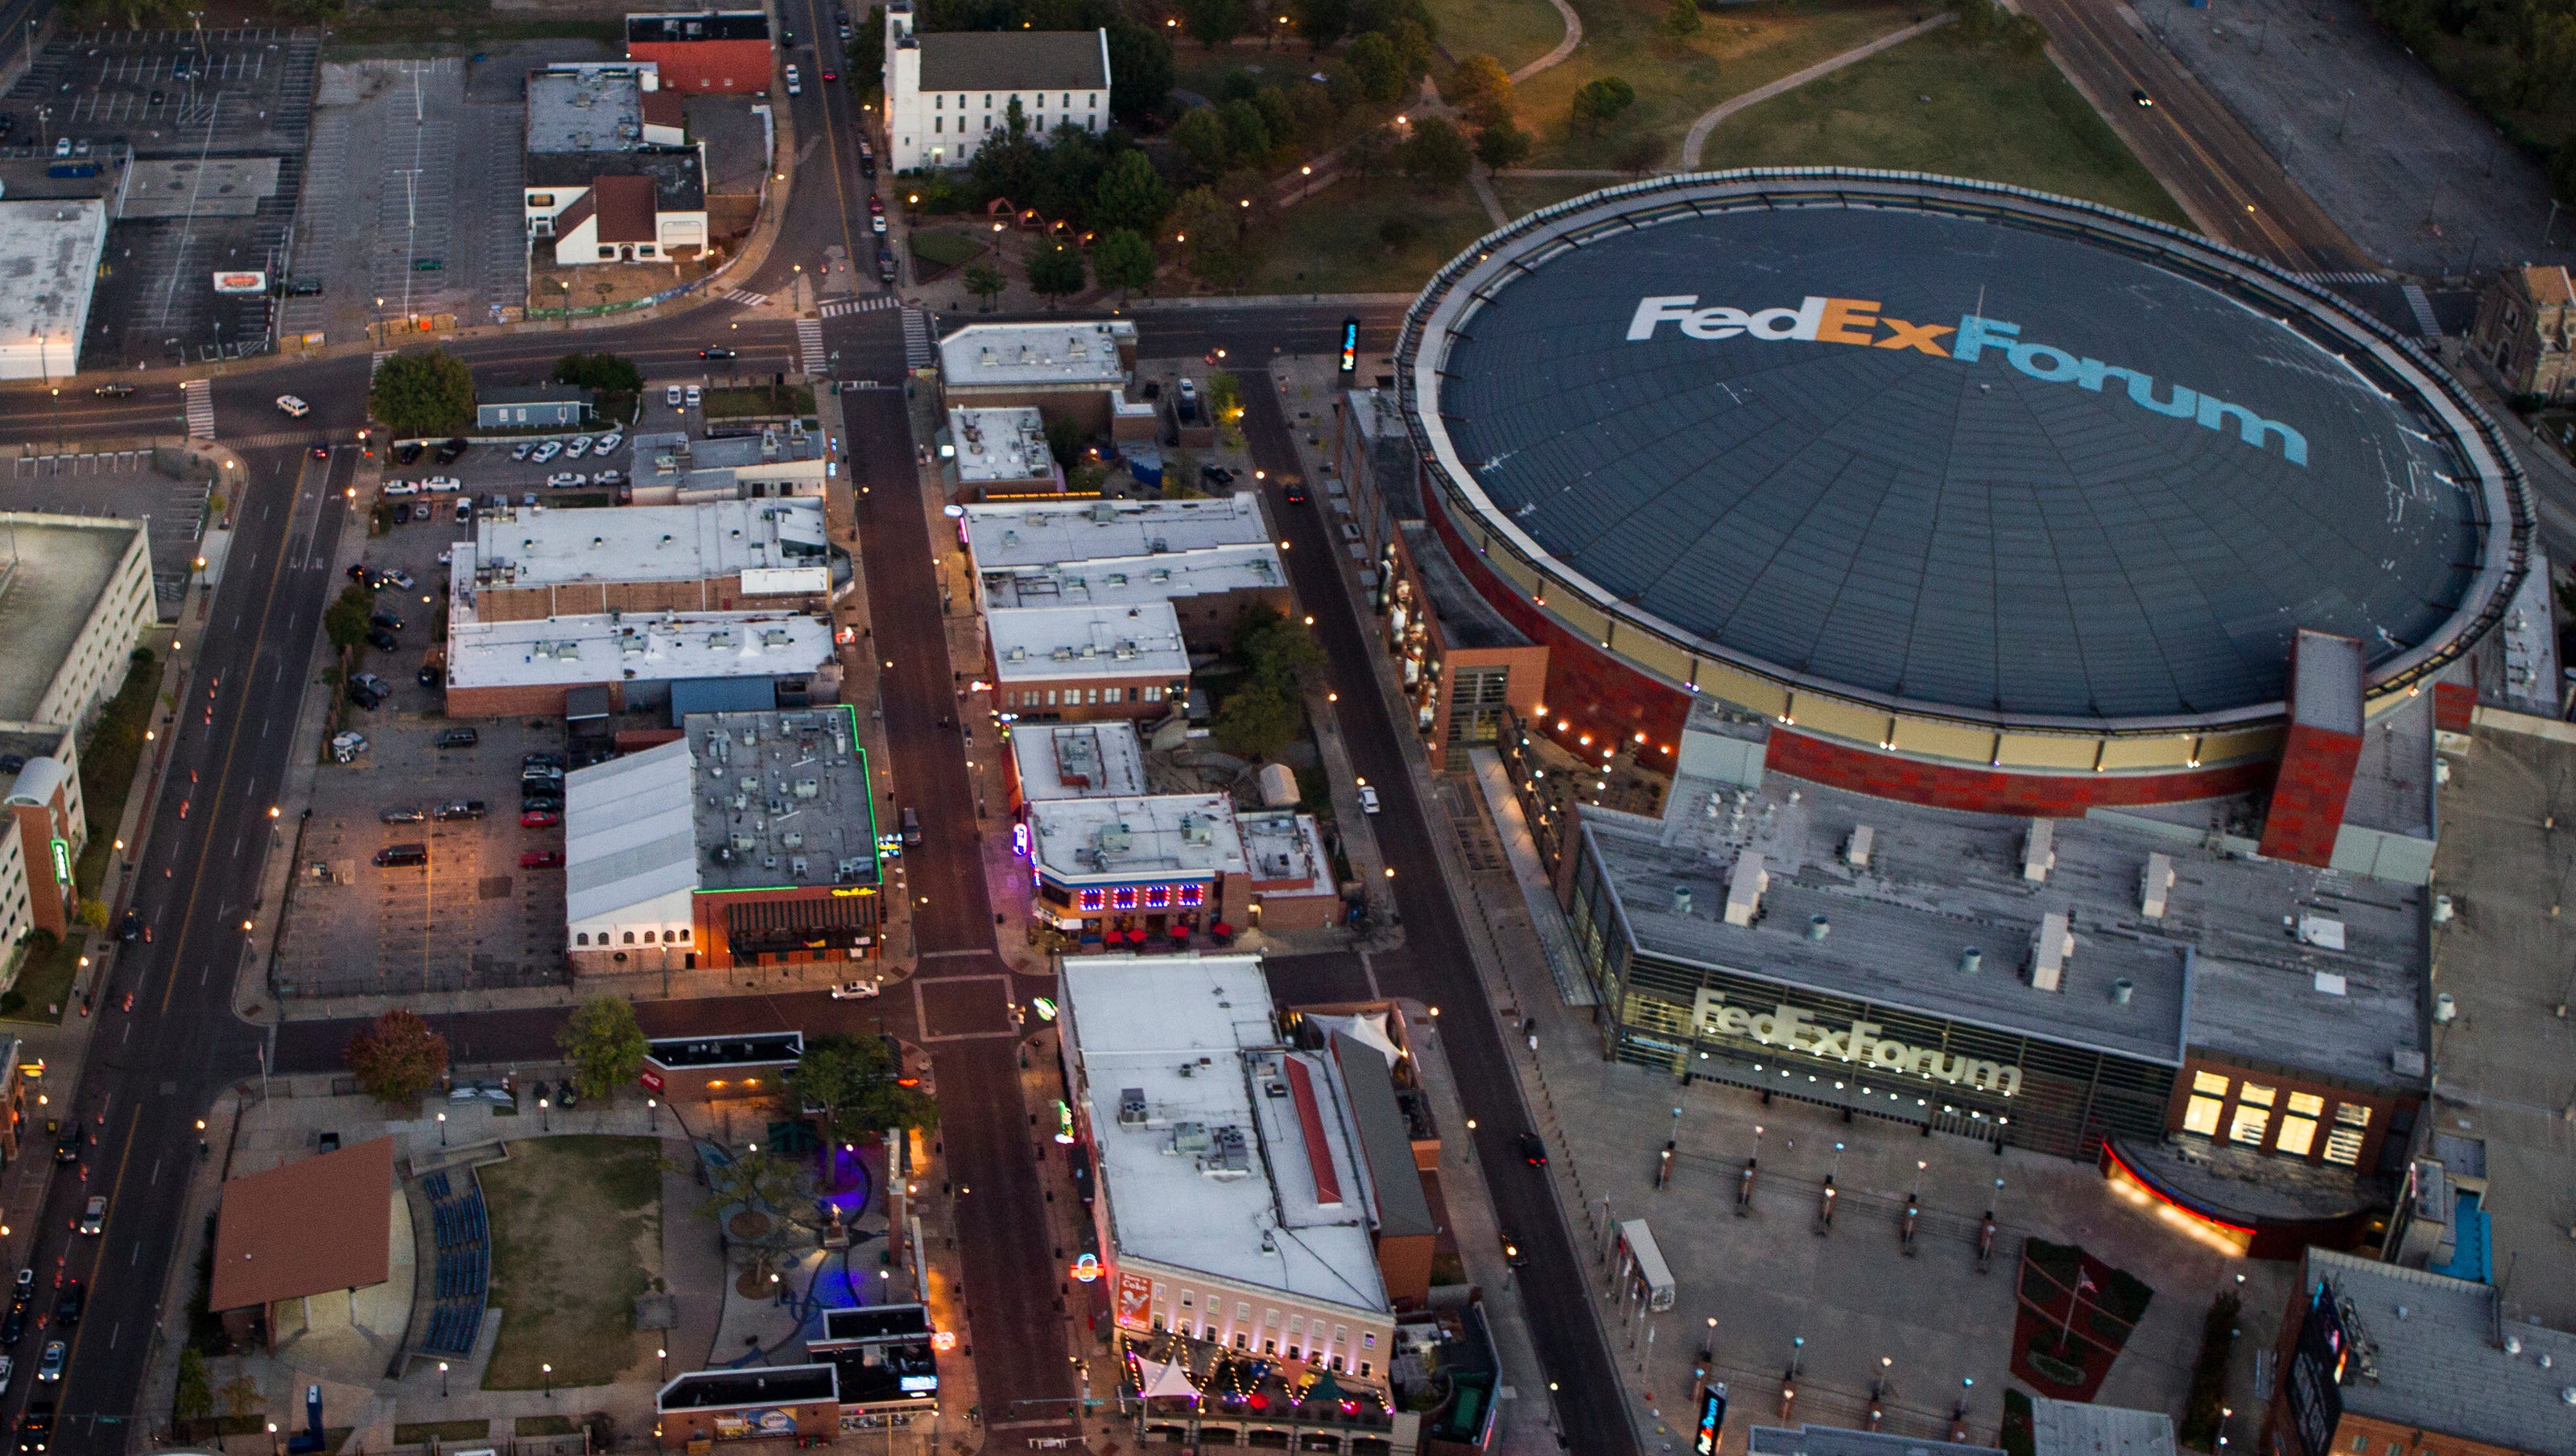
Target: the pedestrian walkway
(199, 397)
(843, 307)
(744, 296)
(920, 350)
(2422, 308)
(809, 347)
(1564, 48)
(1708, 121)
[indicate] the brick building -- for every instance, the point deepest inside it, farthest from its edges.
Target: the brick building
(2525, 329)
(721, 51)
(1070, 664)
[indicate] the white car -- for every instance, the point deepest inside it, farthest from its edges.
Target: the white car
(671, 395)
(547, 451)
(609, 477)
(442, 484)
(401, 579)
(523, 449)
(1368, 799)
(856, 990)
(608, 443)
(794, 87)
(295, 408)
(567, 477)
(579, 447)
(877, 222)
(402, 487)
(691, 396)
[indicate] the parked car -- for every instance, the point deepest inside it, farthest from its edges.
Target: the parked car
(113, 391)
(442, 484)
(608, 477)
(533, 760)
(550, 803)
(131, 927)
(523, 449)
(547, 451)
(856, 990)
(14, 1328)
(408, 453)
(93, 1219)
(294, 408)
(8, 1371)
(403, 814)
(457, 737)
(579, 447)
(453, 451)
(541, 859)
(402, 487)
(609, 442)
(691, 396)
(671, 395)
(455, 810)
(383, 641)
(1368, 799)
(1189, 401)
(539, 818)
(429, 676)
(794, 87)
(715, 351)
(402, 856)
(401, 579)
(386, 620)
(564, 478)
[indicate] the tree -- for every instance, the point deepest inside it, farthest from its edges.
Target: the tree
(1280, 654)
(604, 1044)
(1596, 101)
(1140, 56)
(427, 393)
(1437, 154)
(1502, 145)
(195, 1398)
(1482, 90)
(1256, 721)
(1278, 118)
(1130, 194)
(1215, 22)
(1681, 18)
(345, 620)
(397, 1057)
(1055, 271)
(1247, 136)
(1065, 441)
(1200, 137)
(604, 372)
(1123, 260)
(1224, 396)
(1203, 224)
(856, 1084)
(984, 280)
(760, 1181)
(1322, 22)
(1636, 151)
(1379, 69)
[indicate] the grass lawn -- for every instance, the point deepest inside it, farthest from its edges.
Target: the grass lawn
(542, 1426)
(1738, 48)
(45, 981)
(108, 755)
(1329, 243)
(1522, 196)
(1992, 116)
(1514, 32)
(758, 399)
(424, 1432)
(576, 1237)
(944, 249)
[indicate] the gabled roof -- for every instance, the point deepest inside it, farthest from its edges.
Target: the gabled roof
(1014, 60)
(625, 209)
(312, 1227)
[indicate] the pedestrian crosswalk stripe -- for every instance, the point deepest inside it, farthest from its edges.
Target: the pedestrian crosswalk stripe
(843, 307)
(809, 346)
(745, 297)
(199, 397)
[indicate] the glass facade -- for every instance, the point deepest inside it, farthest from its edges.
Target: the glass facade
(1664, 1013)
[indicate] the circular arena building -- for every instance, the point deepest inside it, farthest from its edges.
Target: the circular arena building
(1982, 497)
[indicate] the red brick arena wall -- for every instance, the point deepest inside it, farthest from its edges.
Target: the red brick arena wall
(1994, 791)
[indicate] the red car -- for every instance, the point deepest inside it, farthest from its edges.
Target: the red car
(540, 819)
(542, 859)
(321, 452)
(830, 75)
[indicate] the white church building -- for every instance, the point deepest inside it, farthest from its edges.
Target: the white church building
(947, 92)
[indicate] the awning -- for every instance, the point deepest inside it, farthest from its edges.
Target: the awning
(1162, 1379)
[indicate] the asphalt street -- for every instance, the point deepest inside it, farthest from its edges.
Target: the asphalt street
(152, 1070)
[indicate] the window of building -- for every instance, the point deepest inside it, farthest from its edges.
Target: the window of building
(630, 937)
(645, 251)
(1270, 1347)
(581, 938)
(1153, 695)
(2299, 1124)
(2352, 1124)
(1050, 702)
(1364, 1368)
(1337, 1364)
(606, 253)
(1296, 1326)
(938, 102)
(2253, 1114)
(988, 123)
(939, 123)
(1191, 895)
(1242, 1341)
(684, 935)
(1367, 1342)
(2208, 1096)
(1113, 695)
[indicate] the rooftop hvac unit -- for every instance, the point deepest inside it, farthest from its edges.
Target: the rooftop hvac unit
(808, 788)
(792, 839)
(1856, 849)
(2038, 851)
(2157, 887)
(1744, 886)
(1191, 1137)
(2050, 950)
(1131, 1107)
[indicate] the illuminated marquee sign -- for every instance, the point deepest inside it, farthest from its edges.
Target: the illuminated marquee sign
(1135, 1298)
(62, 862)
(1859, 1043)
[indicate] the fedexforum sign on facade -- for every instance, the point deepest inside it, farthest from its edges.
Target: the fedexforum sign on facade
(1858, 1043)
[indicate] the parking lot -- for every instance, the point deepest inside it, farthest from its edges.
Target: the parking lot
(216, 122)
(474, 916)
(131, 484)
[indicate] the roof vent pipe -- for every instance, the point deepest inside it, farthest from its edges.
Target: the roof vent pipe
(1970, 960)
(2121, 990)
(1681, 899)
(1818, 927)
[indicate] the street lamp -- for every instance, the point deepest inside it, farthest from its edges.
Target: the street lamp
(652, 1110)
(442, 1380)
(545, 1124)
(659, 1354)
(442, 1134)
(549, 1372)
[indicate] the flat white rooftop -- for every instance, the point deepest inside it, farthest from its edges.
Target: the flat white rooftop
(1001, 447)
(59, 568)
(1100, 760)
(584, 111)
(539, 547)
(1281, 846)
(629, 849)
(49, 255)
(1124, 840)
(598, 649)
(1013, 534)
(1185, 1040)
(1036, 354)
(1047, 643)
(1124, 580)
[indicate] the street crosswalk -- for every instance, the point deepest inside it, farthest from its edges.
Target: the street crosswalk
(919, 352)
(2422, 308)
(199, 397)
(809, 346)
(2346, 277)
(844, 307)
(379, 362)
(745, 297)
